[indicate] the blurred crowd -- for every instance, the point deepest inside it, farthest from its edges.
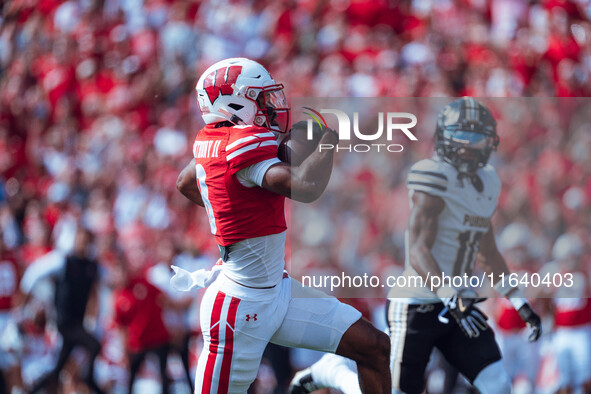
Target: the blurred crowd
(98, 115)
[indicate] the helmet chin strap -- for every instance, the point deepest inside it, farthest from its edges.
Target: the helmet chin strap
(232, 118)
(236, 120)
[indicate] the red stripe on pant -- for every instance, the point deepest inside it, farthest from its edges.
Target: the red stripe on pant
(214, 341)
(228, 347)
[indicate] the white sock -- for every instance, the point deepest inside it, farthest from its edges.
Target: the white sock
(336, 372)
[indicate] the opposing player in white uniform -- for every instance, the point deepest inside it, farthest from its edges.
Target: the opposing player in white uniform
(453, 196)
(242, 186)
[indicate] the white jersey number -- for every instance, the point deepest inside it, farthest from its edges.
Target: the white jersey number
(467, 251)
(205, 197)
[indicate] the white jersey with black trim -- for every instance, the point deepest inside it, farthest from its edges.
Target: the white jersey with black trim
(463, 221)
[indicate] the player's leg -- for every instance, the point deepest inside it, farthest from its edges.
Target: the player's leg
(217, 327)
(478, 359)
(370, 349)
(316, 321)
(413, 332)
(235, 333)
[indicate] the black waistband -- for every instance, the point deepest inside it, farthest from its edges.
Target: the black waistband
(224, 252)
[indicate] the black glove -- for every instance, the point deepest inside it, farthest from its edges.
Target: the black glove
(533, 322)
(471, 320)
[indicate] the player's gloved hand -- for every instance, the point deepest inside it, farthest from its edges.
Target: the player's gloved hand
(533, 321)
(460, 305)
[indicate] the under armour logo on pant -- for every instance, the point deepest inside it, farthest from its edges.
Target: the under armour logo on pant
(248, 317)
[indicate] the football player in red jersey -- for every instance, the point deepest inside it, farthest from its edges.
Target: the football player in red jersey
(242, 186)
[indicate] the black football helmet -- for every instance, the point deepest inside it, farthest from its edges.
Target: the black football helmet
(466, 134)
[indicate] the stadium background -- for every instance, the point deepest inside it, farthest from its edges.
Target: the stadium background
(98, 114)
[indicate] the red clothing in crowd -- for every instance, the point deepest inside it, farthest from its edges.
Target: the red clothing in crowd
(9, 280)
(139, 310)
(508, 318)
(572, 312)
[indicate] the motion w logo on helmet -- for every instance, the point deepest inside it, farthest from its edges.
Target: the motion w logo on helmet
(221, 80)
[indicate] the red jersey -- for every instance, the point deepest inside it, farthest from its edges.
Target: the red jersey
(138, 308)
(9, 280)
(572, 308)
(508, 318)
(572, 312)
(236, 212)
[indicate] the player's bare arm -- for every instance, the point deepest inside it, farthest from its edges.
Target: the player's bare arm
(492, 261)
(489, 257)
(423, 224)
(306, 182)
(186, 183)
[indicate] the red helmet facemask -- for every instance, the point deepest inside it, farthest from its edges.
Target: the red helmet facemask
(272, 108)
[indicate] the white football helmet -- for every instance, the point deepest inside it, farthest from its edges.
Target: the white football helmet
(241, 91)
